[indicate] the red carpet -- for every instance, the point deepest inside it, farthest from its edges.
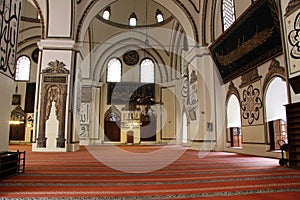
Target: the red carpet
(87, 174)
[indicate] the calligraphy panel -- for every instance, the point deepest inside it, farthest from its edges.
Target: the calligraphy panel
(10, 13)
(293, 32)
(123, 93)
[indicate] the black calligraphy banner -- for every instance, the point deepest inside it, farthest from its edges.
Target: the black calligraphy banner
(253, 39)
(10, 11)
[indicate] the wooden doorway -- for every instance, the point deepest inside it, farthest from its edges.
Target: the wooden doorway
(148, 128)
(168, 119)
(17, 124)
(112, 131)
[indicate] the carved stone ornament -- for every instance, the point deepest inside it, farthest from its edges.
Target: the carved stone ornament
(56, 67)
(233, 91)
(112, 114)
(86, 94)
(54, 94)
(275, 70)
(292, 5)
(250, 77)
(251, 104)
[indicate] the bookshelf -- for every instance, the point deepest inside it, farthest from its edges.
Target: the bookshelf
(293, 130)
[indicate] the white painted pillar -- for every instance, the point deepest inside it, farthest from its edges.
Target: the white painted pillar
(58, 132)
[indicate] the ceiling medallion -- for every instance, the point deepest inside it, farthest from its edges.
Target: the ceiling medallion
(131, 57)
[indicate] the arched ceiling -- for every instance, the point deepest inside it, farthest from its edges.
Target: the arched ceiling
(94, 8)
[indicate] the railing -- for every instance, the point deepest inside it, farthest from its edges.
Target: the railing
(11, 163)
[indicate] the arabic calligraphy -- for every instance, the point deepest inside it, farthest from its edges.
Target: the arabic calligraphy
(294, 38)
(9, 22)
(246, 46)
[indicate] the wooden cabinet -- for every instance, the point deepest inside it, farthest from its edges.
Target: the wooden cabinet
(293, 131)
(277, 132)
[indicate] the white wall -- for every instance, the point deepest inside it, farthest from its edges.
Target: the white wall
(233, 112)
(6, 88)
(276, 98)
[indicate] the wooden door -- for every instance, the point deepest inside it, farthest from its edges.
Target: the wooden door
(130, 137)
(168, 124)
(17, 132)
(148, 128)
(112, 130)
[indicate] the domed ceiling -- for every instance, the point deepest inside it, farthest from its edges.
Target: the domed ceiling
(145, 11)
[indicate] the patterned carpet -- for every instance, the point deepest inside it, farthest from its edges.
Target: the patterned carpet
(149, 172)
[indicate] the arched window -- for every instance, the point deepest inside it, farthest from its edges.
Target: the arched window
(106, 13)
(133, 19)
(114, 70)
(228, 13)
(147, 71)
(22, 69)
(159, 16)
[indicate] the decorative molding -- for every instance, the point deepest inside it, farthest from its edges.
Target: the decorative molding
(112, 114)
(233, 91)
(86, 94)
(17, 114)
(250, 77)
(30, 19)
(54, 91)
(293, 4)
(42, 20)
(251, 104)
(56, 67)
(204, 13)
(196, 7)
(192, 20)
(275, 70)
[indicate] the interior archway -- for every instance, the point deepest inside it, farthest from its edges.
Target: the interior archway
(275, 112)
(234, 121)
